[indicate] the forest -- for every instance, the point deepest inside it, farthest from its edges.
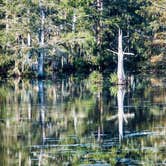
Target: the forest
(41, 37)
(82, 82)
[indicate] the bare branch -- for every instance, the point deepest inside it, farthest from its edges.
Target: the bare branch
(125, 116)
(126, 36)
(127, 53)
(112, 51)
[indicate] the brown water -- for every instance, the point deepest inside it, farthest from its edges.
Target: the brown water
(71, 121)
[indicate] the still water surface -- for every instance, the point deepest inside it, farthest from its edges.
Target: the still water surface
(75, 121)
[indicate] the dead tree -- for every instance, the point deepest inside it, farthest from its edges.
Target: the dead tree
(120, 71)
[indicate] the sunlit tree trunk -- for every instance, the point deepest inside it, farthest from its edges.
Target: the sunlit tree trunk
(20, 156)
(29, 45)
(121, 74)
(74, 21)
(28, 35)
(29, 40)
(120, 71)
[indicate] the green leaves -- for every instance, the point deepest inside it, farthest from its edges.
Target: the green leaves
(96, 82)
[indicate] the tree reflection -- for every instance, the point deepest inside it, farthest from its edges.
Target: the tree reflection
(74, 122)
(121, 116)
(41, 117)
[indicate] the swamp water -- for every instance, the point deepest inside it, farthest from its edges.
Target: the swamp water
(73, 122)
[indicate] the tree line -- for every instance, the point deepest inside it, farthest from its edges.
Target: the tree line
(39, 37)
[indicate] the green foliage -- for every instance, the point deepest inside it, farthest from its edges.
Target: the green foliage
(95, 82)
(6, 62)
(113, 78)
(96, 77)
(142, 22)
(113, 90)
(3, 94)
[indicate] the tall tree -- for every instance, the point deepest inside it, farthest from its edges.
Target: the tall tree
(41, 40)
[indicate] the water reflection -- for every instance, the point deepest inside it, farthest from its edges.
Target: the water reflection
(74, 122)
(122, 117)
(41, 117)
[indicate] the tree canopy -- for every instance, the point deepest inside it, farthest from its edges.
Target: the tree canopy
(78, 35)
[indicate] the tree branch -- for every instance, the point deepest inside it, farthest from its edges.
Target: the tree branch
(112, 51)
(127, 53)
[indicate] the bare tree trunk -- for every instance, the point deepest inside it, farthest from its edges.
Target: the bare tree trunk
(29, 52)
(29, 40)
(28, 35)
(99, 23)
(41, 42)
(121, 74)
(74, 21)
(20, 158)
